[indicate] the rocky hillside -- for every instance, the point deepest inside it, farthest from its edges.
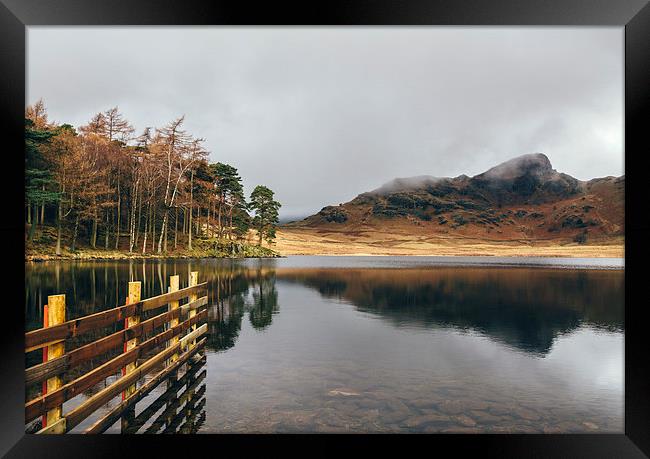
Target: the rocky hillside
(521, 199)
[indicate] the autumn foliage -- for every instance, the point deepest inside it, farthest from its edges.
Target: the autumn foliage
(104, 186)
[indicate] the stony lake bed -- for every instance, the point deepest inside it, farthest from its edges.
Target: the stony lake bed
(387, 344)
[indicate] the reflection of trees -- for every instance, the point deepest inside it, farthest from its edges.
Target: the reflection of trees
(227, 288)
(230, 288)
(525, 308)
(265, 301)
(225, 327)
(92, 286)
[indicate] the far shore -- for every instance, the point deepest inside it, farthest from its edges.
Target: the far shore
(304, 241)
(300, 241)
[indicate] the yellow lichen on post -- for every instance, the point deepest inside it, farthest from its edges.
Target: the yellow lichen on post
(194, 280)
(135, 291)
(55, 316)
(173, 287)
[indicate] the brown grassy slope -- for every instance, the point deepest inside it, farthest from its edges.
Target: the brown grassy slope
(307, 241)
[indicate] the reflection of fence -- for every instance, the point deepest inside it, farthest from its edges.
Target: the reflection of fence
(171, 416)
(161, 344)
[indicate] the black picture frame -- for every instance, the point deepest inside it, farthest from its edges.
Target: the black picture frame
(634, 15)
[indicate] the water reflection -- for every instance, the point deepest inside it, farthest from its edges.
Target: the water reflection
(293, 348)
(238, 290)
(526, 308)
(522, 307)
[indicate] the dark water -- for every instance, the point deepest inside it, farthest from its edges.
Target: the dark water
(380, 344)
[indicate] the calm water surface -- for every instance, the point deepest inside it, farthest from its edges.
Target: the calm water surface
(379, 344)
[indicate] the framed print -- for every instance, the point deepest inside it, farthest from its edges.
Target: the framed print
(356, 223)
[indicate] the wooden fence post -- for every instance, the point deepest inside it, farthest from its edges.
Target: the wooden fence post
(194, 280)
(135, 292)
(173, 287)
(55, 315)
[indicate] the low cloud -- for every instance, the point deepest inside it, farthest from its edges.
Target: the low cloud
(323, 114)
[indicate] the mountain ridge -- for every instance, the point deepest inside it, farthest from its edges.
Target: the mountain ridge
(523, 199)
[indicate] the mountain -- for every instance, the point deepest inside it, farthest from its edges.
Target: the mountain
(523, 199)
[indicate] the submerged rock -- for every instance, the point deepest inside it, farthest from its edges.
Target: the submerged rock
(419, 421)
(485, 417)
(369, 403)
(528, 415)
(344, 393)
(422, 403)
(551, 430)
(465, 420)
(501, 410)
(459, 406)
(393, 416)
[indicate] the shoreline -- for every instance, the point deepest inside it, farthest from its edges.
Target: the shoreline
(86, 255)
(434, 255)
(47, 258)
(119, 256)
(409, 261)
(332, 245)
(43, 249)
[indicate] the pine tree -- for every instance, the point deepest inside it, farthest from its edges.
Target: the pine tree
(266, 213)
(38, 175)
(230, 194)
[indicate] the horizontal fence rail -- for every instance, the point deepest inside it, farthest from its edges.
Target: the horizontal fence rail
(162, 345)
(55, 333)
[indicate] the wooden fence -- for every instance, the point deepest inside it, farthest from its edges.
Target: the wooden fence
(161, 344)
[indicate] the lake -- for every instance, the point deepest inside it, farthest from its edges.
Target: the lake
(378, 344)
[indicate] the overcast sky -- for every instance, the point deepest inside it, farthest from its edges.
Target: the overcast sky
(322, 114)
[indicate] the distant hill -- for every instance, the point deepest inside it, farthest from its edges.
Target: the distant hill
(521, 199)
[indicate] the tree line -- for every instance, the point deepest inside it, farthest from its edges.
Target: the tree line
(111, 188)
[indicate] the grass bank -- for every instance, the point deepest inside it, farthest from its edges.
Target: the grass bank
(43, 248)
